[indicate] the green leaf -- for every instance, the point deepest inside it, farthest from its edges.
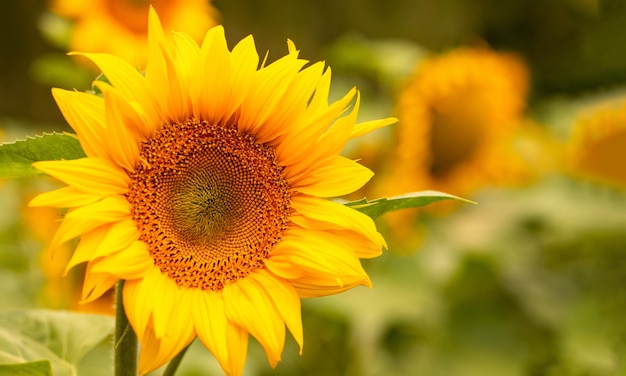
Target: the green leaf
(63, 338)
(16, 158)
(36, 368)
(380, 206)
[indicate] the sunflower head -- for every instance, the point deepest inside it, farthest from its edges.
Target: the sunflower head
(120, 27)
(452, 111)
(597, 145)
(205, 188)
(456, 112)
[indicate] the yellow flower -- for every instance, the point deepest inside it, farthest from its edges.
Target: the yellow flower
(119, 27)
(454, 112)
(204, 188)
(597, 147)
(458, 114)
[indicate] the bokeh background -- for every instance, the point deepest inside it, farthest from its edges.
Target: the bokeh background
(529, 281)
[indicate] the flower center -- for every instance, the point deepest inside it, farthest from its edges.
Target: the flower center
(455, 135)
(209, 202)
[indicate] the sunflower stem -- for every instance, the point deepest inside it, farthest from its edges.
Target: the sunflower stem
(125, 345)
(172, 367)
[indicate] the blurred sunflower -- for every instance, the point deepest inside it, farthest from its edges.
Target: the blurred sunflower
(203, 188)
(458, 114)
(597, 146)
(57, 292)
(119, 27)
(59, 288)
(453, 112)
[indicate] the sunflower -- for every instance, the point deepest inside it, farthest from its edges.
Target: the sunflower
(597, 146)
(458, 115)
(205, 188)
(119, 26)
(453, 111)
(56, 292)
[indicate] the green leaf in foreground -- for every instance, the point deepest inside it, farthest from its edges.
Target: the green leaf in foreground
(16, 158)
(36, 368)
(380, 206)
(70, 342)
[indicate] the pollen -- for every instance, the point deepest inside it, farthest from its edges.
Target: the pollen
(209, 202)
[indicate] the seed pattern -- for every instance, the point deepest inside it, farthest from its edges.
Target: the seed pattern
(210, 202)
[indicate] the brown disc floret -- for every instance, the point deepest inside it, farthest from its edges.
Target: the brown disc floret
(209, 202)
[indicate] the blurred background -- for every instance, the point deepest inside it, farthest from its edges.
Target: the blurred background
(519, 106)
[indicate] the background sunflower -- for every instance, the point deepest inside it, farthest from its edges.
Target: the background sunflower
(121, 28)
(596, 143)
(527, 282)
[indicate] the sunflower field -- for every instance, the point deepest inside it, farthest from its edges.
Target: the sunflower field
(358, 188)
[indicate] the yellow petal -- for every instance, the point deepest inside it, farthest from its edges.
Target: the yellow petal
(169, 305)
(327, 266)
(244, 62)
(237, 349)
(144, 303)
(125, 129)
(87, 246)
(87, 218)
(131, 263)
(322, 214)
(95, 176)
(164, 77)
(286, 301)
(266, 94)
(249, 307)
(109, 209)
(70, 229)
(186, 60)
(333, 177)
(96, 284)
(319, 101)
(361, 246)
(155, 352)
(136, 292)
(156, 71)
(335, 138)
(314, 251)
(211, 89)
(298, 147)
(283, 267)
(293, 103)
(85, 114)
(120, 235)
(127, 80)
(66, 197)
(363, 128)
(209, 318)
(187, 49)
(104, 241)
(316, 286)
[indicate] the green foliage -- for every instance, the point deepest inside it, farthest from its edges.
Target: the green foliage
(62, 338)
(380, 206)
(16, 158)
(55, 29)
(36, 368)
(59, 70)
